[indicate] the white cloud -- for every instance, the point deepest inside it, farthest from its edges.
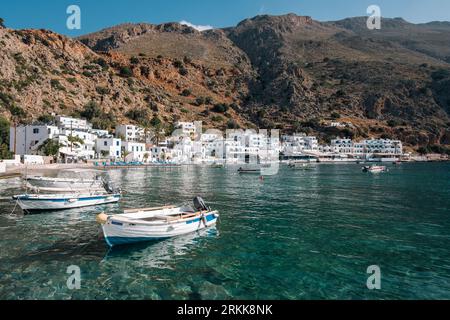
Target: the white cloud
(197, 27)
(262, 9)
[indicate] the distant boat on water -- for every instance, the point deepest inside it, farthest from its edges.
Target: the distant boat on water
(249, 171)
(374, 169)
(301, 166)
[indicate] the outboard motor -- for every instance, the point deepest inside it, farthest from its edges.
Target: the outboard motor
(110, 187)
(200, 205)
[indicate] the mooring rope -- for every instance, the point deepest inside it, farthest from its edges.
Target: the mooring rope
(15, 206)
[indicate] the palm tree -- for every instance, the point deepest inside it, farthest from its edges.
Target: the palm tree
(159, 135)
(75, 140)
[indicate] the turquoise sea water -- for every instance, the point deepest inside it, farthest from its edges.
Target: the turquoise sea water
(296, 235)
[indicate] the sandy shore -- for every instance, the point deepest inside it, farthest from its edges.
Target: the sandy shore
(43, 169)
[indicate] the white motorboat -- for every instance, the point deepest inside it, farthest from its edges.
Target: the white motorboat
(141, 225)
(39, 202)
(374, 169)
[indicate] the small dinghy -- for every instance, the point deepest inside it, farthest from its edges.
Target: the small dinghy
(70, 179)
(374, 169)
(142, 225)
(40, 202)
(249, 171)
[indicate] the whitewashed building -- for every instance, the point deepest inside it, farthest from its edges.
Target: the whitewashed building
(135, 151)
(159, 154)
(108, 147)
(380, 147)
(132, 133)
(188, 128)
(27, 139)
(299, 144)
(72, 123)
(342, 146)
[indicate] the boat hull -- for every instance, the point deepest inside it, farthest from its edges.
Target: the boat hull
(374, 169)
(117, 232)
(36, 203)
(258, 172)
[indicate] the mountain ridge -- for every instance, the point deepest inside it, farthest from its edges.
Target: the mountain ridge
(287, 72)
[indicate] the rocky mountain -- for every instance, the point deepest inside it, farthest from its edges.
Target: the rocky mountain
(289, 72)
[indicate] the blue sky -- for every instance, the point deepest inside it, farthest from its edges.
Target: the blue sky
(98, 14)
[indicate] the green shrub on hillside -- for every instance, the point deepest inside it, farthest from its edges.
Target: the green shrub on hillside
(126, 72)
(220, 108)
(91, 110)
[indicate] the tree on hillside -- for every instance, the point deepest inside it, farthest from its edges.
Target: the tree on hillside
(5, 153)
(2, 23)
(4, 139)
(4, 131)
(91, 110)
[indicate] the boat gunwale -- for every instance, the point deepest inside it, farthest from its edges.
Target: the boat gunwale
(140, 221)
(62, 197)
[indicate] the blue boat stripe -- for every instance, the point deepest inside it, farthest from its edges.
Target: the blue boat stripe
(209, 218)
(117, 241)
(67, 199)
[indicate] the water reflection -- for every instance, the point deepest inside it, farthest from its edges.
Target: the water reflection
(299, 234)
(158, 254)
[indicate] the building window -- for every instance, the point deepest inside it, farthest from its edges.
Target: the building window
(105, 143)
(117, 143)
(117, 153)
(35, 131)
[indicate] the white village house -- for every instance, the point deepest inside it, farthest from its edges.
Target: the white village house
(134, 151)
(109, 147)
(78, 140)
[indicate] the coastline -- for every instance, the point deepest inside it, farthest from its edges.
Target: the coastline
(13, 171)
(17, 171)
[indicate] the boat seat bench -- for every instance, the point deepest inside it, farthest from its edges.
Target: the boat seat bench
(171, 218)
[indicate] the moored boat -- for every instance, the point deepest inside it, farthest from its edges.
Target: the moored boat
(374, 169)
(40, 202)
(249, 171)
(150, 224)
(71, 179)
(301, 166)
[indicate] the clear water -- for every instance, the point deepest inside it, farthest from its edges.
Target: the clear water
(297, 235)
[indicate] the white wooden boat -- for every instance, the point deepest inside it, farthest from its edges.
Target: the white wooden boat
(374, 169)
(63, 183)
(53, 190)
(37, 202)
(141, 225)
(76, 179)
